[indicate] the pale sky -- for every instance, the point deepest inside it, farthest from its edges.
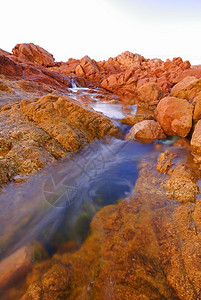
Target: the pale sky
(105, 28)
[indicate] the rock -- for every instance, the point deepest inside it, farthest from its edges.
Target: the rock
(5, 146)
(55, 283)
(197, 109)
(183, 84)
(175, 116)
(15, 266)
(123, 84)
(189, 72)
(188, 88)
(196, 141)
(24, 147)
(149, 92)
(128, 59)
(165, 161)
(89, 68)
(34, 54)
(72, 124)
(134, 119)
(9, 68)
(146, 130)
(182, 184)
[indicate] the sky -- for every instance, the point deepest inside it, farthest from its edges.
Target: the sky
(104, 28)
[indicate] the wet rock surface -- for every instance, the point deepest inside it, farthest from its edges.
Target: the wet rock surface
(146, 247)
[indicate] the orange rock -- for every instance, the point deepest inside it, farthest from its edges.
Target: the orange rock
(175, 116)
(89, 68)
(128, 59)
(134, 119)
(149, 92)
(189, 72)
(183, 84)
(197, 110)
(34, 54)
(147, 130)
(188, 88)
(196, 140)
(71, 123)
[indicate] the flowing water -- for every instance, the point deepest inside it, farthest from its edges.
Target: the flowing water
(57, 198)
(58, 203)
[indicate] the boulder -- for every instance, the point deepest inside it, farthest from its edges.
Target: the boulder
(188, 88)
(175, 116)
(89, 68)
(148, 93)
(146, 130)
(34, 54)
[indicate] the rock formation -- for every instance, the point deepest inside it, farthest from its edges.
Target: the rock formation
(148, 245)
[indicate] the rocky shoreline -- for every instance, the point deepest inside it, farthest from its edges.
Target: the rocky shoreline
(148, 245)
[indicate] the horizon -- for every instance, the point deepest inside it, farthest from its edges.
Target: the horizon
(104, 29)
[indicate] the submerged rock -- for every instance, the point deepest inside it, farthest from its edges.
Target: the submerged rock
(15, 266)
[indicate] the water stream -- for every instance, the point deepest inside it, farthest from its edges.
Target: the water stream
(58, 203)
(57, 198)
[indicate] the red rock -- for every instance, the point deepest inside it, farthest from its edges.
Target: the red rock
(175, 116)
(122, 83)
(163, 83)
(34, 54)
(147, 130)
(89, 68)
(9, 68)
